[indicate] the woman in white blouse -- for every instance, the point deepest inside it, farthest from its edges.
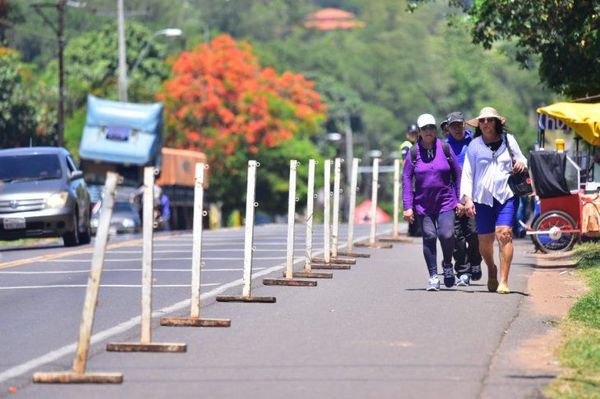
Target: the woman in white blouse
(486, 193)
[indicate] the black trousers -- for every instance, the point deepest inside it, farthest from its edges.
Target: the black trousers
(466, 245)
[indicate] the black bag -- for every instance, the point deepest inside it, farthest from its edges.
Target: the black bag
(519, 183)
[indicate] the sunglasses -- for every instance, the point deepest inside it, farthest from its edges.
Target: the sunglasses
(428, 127)
(488, 120)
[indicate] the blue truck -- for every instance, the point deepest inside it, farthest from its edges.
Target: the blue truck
(124, 138)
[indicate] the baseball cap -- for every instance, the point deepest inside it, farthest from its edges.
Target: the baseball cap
(425, 119)
(455, 117)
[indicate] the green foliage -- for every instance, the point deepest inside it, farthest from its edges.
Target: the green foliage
(402, 65)
(271, 180)
(581, 350)
(24, 118)
(92, 64)
(565, 35)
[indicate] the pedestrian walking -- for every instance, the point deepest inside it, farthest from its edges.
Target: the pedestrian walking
(412, 133)
(433, 173)
(467, 259)
(486, 192)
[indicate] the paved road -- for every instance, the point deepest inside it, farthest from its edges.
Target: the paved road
(369, 332)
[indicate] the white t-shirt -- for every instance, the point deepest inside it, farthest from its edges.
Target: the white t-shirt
(485, 173)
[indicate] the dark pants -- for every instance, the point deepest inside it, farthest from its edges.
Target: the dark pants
(466, 246)
(437, 227)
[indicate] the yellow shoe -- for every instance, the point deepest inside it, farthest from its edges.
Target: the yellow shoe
(492, 284)
(503, 289)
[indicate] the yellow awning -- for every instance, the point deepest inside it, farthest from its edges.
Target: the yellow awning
(584, 119)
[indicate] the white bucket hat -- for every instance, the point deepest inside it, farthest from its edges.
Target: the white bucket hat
(486, 112)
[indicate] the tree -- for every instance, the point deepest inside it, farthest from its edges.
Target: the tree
(564, 33)
(221, 101)
(91, 61)
(24, 117)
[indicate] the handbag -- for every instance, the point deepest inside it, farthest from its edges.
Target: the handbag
(519, 183)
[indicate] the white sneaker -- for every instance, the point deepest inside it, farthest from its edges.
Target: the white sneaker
(434, 284)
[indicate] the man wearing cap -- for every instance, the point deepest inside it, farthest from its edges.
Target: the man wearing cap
(467, 260)
(411, 138)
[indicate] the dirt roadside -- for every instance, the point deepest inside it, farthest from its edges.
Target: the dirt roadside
(553, 289)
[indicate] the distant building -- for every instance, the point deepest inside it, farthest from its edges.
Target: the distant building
(332, 19)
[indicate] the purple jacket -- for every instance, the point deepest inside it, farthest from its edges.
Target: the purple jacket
(436, 188)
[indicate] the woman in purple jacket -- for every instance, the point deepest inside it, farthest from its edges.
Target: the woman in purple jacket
(433, 172)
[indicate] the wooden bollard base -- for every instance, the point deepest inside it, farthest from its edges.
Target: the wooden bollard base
(330, 266)
(78, 378)
(193, 322)
(248, 299)
(151, 347)
(311, 275)
(396, 238)
(368, 244)
(289, 282)
(354, 254)
(338, 260)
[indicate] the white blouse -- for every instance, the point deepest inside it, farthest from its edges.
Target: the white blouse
(485, 173)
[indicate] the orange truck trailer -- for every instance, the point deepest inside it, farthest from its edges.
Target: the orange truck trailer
(177, 176)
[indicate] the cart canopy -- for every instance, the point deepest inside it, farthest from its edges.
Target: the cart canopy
(548, 170)
(584, 119)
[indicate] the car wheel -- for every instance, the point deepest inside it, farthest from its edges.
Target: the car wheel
(85, 237)
(71, 238)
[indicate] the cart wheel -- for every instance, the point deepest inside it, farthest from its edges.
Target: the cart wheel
(556, 241)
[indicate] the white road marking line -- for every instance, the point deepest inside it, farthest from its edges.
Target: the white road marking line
(160, 259)
(183, 251)
(126, 270)
(134, 321)
(32, 287)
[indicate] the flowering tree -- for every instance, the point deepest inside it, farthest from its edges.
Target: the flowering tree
(222, 102)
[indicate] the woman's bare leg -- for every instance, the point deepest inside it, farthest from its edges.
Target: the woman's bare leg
(486, 249)
(504, 235)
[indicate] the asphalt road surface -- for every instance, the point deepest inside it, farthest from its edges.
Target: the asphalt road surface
(372, 331)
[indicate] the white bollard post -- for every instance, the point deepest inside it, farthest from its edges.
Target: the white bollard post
(327, 212)
(249, 230)
(148, 236)
(194, 320)
(352, 204)
(374, 189)
(327, 262)
(145, 344)
(337, 167)
(310, 204)
(395, 237)
(396, 196)
(79, 375)
(351, 210)
(248, 243)
(289, 270)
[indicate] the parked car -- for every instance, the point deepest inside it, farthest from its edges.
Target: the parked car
(125, 218)
(43, 194)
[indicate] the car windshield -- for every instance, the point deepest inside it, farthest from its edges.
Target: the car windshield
(29, 167)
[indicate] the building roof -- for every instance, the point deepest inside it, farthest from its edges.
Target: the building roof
(331, 19)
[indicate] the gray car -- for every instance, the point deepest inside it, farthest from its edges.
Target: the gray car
(42, 194)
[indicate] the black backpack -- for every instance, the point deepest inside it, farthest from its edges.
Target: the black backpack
(445, 147)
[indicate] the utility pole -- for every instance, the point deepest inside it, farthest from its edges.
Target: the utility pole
(122, 52)
(60, 33)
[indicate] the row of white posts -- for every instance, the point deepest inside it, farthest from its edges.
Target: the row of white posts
(332, 258)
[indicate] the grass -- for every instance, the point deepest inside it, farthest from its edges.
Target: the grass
(580, 352)
(29, 242)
